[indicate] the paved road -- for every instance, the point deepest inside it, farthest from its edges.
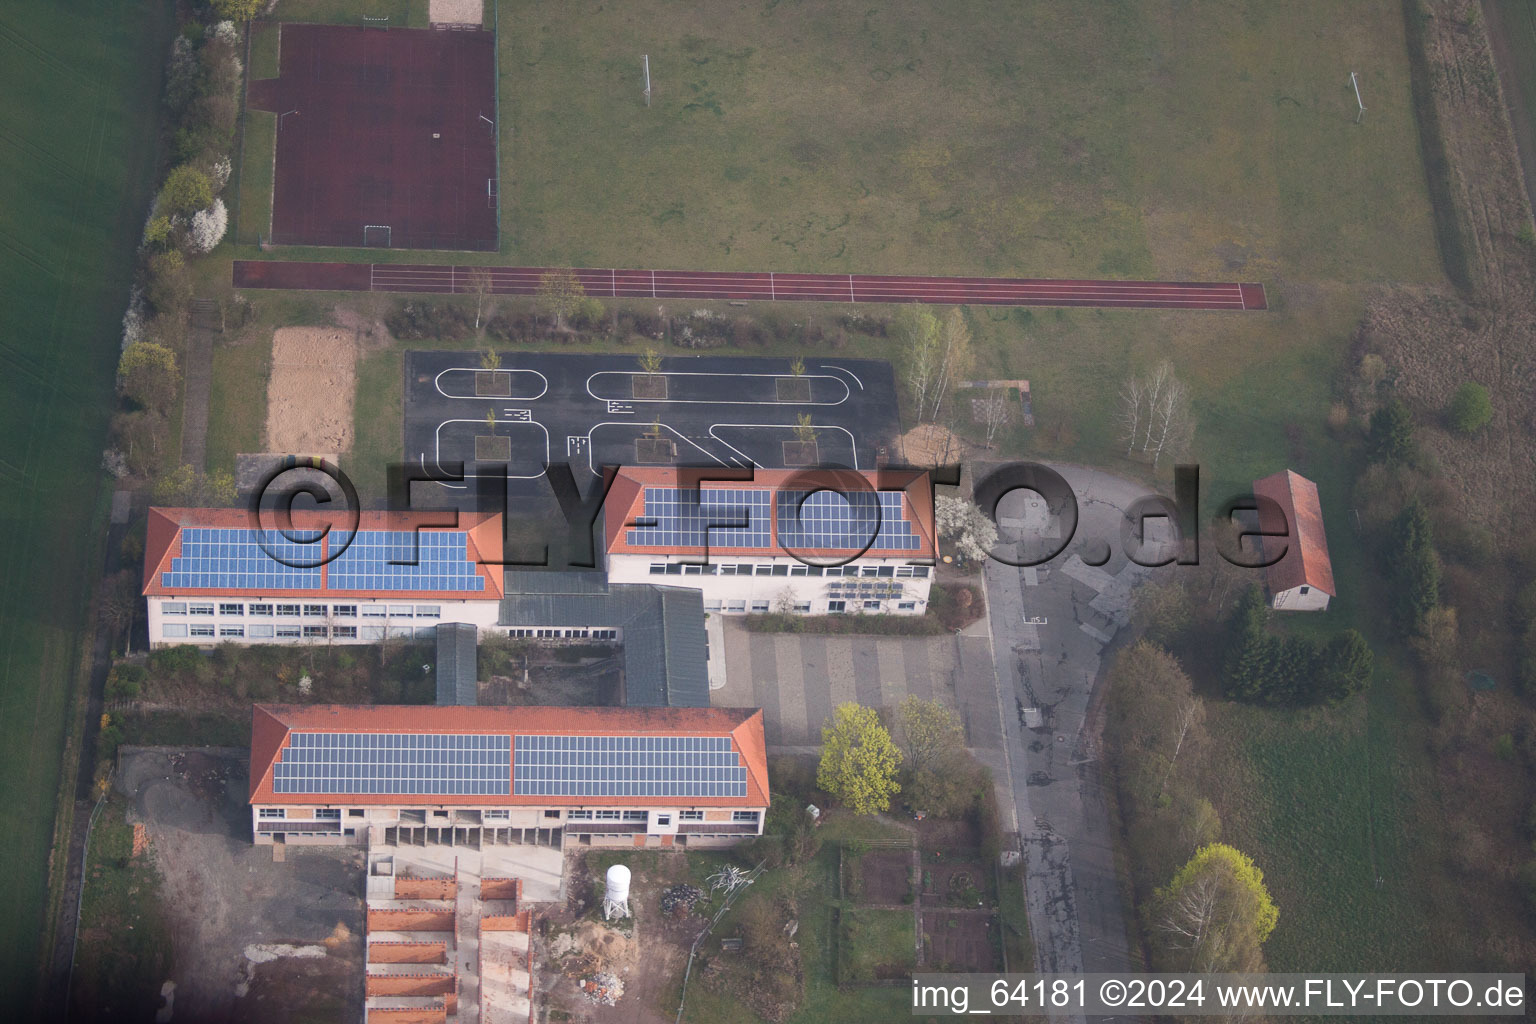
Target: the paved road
(1046, 671)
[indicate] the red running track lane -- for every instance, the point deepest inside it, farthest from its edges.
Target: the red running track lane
(708, 284)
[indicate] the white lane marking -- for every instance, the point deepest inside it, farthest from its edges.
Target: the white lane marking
(847, 391)
(843, 369)
(773, 292)
(853, 444)
(437, 454)
(437, 383)
(592, 445)
(850, 288)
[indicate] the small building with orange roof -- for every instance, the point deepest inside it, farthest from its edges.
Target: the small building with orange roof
(215, 575)
(1301, 580)
(485, 776)
(808, 542)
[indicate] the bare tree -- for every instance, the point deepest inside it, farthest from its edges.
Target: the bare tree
(954, 357)
(480, 283)
(918, 330)
(1155, 415)
(1191, 711)
(994, 413)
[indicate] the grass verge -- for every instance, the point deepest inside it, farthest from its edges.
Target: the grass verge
(239, 393)
(253, 212)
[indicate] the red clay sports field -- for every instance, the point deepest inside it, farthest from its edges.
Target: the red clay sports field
(385, 137)
(704, 284)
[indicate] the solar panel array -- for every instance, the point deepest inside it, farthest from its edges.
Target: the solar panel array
(822, 520)
(627, 766)
(395, 764)
(441, 561)
(239, 559)
(827, 520)
(683, 516)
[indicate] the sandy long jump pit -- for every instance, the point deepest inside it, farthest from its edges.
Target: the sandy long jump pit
(314, 383)
(456, 12)
(385, 137)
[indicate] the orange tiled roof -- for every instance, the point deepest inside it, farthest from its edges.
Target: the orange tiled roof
(162, 543)
(272, 725)
(1305, 562)
(625, 504)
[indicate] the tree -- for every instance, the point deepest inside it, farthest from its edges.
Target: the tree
(859, 761)
(208, 227)
(559, 293)
(804, 432)
(1154, 717)
(932, 735)
(1390, 437)
(1344, 668)
(1470, 410)
(917, 331)
(650, 362)
(1215, 914)
(1155, 416)
(994, 414)
(167, 285)
(186, 190)
(1414, 567)
(120, 600)
(969, 528)
(490, 420)
(481, 284)
(490, 359)
(954, 358)
(1251, 651)
(1161, 611)
(237, 10)
(147, 376)
(797, 367)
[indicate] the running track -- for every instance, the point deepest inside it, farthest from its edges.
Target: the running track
(706, 284)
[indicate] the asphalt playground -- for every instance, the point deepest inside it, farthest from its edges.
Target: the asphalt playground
(718, 412)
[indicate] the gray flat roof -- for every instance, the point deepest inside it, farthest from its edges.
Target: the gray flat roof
(665, 659)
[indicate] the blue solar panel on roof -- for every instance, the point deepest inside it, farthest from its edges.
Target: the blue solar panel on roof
(618, 766)
(401, 764)
(822, 520)
(269, 560)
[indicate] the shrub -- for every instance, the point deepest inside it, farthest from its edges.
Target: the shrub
(208, 227)
(125, 681)
(420, 321)
(172, 661)
(167, 285)
(1470, 410)
(1391, 434)
(186, 190)
(147, 376)
(1504, 747)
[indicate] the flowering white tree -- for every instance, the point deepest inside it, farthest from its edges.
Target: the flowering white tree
(967, 526)
(133, 319)
(208, 227)
(218, 174)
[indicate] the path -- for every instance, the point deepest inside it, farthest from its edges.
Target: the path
(773, 286)
(199, 383)
(1050, 626)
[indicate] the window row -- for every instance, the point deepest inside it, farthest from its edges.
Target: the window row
(786, 569)
(262, 609)
(802, 607)
(557, 633)
(257, 631)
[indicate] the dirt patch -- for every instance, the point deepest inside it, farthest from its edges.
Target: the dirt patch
(455, 12)
(314, 381)
(239, 920)
(887, 876)
(929, 444)
(959, 941)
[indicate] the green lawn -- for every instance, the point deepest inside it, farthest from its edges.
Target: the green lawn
(873, 943)
(77, 157)
(253, 210)
(265, 49)
(239, 393)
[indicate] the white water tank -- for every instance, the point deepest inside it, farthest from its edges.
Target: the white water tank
(617, 884)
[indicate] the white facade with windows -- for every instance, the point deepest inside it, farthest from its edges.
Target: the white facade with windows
(815, 542)
(211, 576)
(734, 585)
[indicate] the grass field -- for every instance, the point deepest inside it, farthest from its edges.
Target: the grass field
(253, 210)
(239, 392)
(72, 202)
(401, 13)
